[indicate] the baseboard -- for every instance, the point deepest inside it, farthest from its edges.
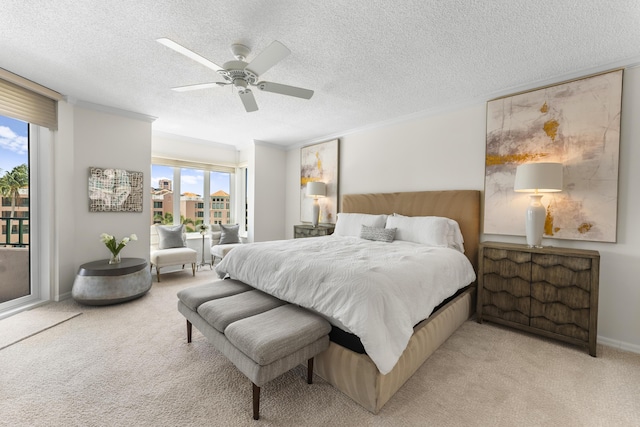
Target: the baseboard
(634, 348)
(63, 297)
(21, 308)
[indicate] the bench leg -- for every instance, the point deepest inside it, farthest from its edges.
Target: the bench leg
(310, 371)
(256, 402)
(189, 329)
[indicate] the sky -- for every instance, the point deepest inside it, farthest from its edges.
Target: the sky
(192, 179)
(14, 143)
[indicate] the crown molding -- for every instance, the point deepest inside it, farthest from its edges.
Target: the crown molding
(110, 110)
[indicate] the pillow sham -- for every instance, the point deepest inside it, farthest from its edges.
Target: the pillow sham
(229, 234)
(377, 233)
(428, 230)
(171, 236)
(348, 224)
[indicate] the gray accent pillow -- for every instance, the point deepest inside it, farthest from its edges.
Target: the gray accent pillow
(229, 234)
(171, 236)
(377, 233)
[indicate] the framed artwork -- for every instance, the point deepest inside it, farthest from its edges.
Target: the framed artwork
(115, 190)
(319, 162)
(576, 123)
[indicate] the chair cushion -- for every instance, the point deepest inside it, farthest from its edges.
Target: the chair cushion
(221, 312)
(194, 296)
(221, 250)
(171, 236)
(276, 333)
(229, 234)
(173, 256)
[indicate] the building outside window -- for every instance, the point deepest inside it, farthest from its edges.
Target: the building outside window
(191, 207)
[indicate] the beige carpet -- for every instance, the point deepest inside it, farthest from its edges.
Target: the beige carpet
(28, 323)
(130, 365)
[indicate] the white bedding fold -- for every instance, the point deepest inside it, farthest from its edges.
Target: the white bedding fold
(376, 290)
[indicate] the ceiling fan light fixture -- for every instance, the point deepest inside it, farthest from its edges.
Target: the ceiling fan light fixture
(241, 84)
(241, 74)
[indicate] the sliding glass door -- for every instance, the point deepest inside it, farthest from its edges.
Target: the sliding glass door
(14, 210)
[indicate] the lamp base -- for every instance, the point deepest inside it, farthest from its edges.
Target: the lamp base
(316, 213)
(534, 221)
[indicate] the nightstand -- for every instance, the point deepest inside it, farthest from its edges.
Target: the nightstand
(308, 230)
(548, 291)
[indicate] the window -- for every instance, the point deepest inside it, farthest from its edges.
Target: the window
(194, 183)
(26, 111)
(15, 186)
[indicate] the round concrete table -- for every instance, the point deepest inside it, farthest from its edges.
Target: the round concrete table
(101, 283)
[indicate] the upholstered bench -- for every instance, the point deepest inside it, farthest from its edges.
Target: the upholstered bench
(262, 336)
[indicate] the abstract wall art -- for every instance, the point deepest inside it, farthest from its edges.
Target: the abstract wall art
(115, 190)
(319, 162)
(576, 123)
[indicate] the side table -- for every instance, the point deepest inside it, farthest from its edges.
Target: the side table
(308, 230)
(203, 262)
(101, 283)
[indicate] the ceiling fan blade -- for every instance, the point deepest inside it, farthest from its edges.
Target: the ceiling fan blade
(285, 89)
(269, 57)
(198, 86)
(248, 100)
(188, 53)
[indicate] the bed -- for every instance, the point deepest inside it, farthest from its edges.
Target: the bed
(372, 377)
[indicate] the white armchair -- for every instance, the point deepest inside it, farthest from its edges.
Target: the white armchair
(219, 246)
(172, 255)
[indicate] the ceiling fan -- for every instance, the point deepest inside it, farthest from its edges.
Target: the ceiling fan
(243, 75)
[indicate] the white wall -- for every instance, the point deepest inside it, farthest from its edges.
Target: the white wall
(91, 137)
(448, 152)
(267, 205)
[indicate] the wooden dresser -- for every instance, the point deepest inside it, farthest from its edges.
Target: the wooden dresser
(548, 291)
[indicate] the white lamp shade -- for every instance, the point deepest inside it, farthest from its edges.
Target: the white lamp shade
(316, 189)
(538, 177)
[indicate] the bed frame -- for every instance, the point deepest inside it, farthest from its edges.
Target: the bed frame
(355, 374)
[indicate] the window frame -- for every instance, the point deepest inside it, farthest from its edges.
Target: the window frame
(206, 168)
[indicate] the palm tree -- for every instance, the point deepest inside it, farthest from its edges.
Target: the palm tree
(187, 222)
(12, 182)
(167, 219)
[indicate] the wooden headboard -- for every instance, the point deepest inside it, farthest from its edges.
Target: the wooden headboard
(460, 205)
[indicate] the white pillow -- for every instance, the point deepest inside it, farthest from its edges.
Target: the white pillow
(350, 224)
(427, 230)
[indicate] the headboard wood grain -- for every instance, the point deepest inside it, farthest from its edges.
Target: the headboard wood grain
(460, 205)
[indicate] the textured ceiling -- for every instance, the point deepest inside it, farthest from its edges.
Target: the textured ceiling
(367, 61)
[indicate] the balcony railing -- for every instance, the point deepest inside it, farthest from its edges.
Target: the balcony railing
(15, 239)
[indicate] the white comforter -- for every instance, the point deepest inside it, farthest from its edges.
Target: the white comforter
(376, 290)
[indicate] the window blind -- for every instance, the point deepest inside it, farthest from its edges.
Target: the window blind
(25, 100)
(192, 165)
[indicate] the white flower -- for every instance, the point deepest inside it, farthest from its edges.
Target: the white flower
(114, 246)
(202, 228)
(105, 238)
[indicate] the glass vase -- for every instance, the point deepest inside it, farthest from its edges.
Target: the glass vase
(115, 258)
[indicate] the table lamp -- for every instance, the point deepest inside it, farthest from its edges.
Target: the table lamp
(316, 189)
(537, 178)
